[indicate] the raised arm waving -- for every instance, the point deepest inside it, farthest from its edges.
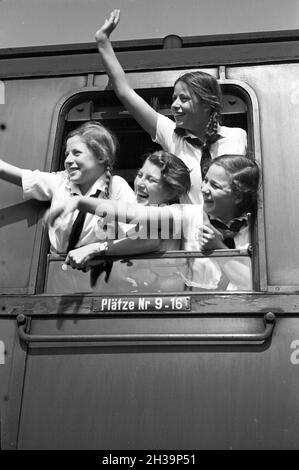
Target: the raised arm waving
(144, 114)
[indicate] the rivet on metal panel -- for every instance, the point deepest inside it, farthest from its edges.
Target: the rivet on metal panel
(270, 317)
(172, 41)
(21, 319)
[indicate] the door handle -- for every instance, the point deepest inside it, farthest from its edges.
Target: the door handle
(156, 338)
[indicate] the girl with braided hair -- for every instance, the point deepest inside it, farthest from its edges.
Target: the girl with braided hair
(90, 152)
(159, 183)
(154, 223)
(195, 135)
(104, 146)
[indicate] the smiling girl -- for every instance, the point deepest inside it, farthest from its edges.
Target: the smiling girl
(230, 197)
(195, 135)
(89, 157)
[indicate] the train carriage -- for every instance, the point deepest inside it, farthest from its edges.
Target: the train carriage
(150, 365)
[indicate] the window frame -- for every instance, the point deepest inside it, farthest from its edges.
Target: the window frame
(160, 79)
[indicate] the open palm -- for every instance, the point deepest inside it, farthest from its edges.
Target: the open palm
(109, 26)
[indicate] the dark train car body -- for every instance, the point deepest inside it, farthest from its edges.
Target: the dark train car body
(167, 368)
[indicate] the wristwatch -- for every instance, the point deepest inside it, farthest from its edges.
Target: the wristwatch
(102, 248)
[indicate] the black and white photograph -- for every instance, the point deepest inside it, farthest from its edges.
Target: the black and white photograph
(149, 249)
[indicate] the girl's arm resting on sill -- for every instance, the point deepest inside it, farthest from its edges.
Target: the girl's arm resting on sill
(83, 257)
(238, 271)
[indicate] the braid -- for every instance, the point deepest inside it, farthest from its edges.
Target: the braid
(211, 129)
(108, 180)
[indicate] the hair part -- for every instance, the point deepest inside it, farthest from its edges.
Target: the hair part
(245, 175)
(175, 175)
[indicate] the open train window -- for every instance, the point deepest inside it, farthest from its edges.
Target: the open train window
(104, 106)
(134, 142)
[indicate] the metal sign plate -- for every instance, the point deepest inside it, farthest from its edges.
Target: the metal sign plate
(143, 304)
